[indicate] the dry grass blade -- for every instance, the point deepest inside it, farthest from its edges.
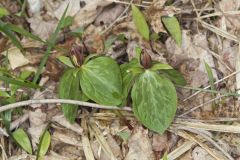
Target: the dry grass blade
(180, 150)
(101, 140)
(4, 155)
(237, 66)
(209, 139)
(87, 148)
(218, 31)
(208, 126)
(195, 139)
(220, 14)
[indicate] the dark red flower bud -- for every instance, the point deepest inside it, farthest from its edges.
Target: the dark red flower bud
(146, 60)
(77, 56)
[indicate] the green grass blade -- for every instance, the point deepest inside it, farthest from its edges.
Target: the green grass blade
(23, 32)
(18, 82)
(210, 75)
(51, 44)
(10, 35)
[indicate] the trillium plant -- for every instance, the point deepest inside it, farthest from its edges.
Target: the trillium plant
(149, 84)
(97, 78)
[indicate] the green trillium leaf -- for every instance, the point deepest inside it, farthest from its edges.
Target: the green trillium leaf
(44, 144)
(21, 138)
(69, 88)
(129, 72)
(160, 66)
(140, 22)
(66, 60)
(154, 101)
(175, 76)
(3, 12)
(173, 27)
(101, 81)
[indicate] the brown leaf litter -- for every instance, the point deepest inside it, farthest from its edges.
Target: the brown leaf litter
(209, 34)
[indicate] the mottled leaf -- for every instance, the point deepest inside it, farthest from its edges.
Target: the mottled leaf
(154, 101)
(175, 76)
(160, 66)
(173, 27)
(140, 22)
(101, 81)
(128, 77)
(22, 139)
(69, 88)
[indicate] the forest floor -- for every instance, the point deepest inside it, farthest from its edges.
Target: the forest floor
(35, 52)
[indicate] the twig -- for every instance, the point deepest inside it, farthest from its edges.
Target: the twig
(65, 101)
(129, 3)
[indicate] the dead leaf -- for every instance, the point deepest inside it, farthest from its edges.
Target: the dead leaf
(232, 22)
(35, 5)
(37, 125)
(155, 13)
(42, 28)
(191, 55)
(73, 8)
(159, 142)
(15, 57)
(199, 154)
(114, 146)
(109, 14)
(67, 137)
(89, 12)
(60, 119)
(139, 146)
